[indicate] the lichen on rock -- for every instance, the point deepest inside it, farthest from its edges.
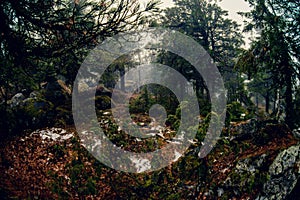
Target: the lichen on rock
(284, 173)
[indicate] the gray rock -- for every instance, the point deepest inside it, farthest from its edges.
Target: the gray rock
(17, 100)
(284, 173)
(296, 133)
(244, 130)
(250, 165)
(55, 134)
(34, 95)
(260, 198)
(220, 192)
(244, 174)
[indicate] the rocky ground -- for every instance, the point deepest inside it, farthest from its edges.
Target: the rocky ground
(249, 162)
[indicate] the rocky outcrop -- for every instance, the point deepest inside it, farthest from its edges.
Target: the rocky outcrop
(247, 174)
(284, 173)
(265, 164)
(277, 182)
(244, 130)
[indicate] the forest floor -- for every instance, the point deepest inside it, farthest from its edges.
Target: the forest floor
(34, 166)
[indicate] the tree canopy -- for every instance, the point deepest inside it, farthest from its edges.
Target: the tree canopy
(43, 39)
(276, 49)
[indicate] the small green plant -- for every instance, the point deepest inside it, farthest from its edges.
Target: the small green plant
(57, 185)
(75, 172)
(173, 122)
(58, 150)
(236, 112)
(89, 188)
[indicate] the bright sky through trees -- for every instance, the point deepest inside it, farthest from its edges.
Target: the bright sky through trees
(233, 7)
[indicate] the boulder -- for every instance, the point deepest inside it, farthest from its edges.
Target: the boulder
(284, 173)
(276, 181)
(57, 92)
(244, 130)
(247, 174)
(17, 100)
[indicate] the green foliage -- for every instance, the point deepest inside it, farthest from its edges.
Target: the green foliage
(38, 45)
(58, 151)
(36, 109)
(204, 106)
(80, 182)
(296, 108)
(275, 52)
(8, 121)
(173, 122)
(57, 185)
(142, 103)
(102, 102)
(153, 94)
(90, 187)
(174, 196)
(77, 178)
(205, 21)
(236, 112)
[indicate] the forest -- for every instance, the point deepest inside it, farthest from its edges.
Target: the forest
(65, 61)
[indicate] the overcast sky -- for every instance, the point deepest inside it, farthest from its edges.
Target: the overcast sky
(234, 6)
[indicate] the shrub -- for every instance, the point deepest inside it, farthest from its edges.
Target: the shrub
(236, 112)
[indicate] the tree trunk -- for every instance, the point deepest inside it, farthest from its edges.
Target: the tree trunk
(267, 98)
(289, 98)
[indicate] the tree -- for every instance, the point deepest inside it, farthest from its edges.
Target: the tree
(206, 23)
(276, 50)
(40, 39)
(58, 30)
